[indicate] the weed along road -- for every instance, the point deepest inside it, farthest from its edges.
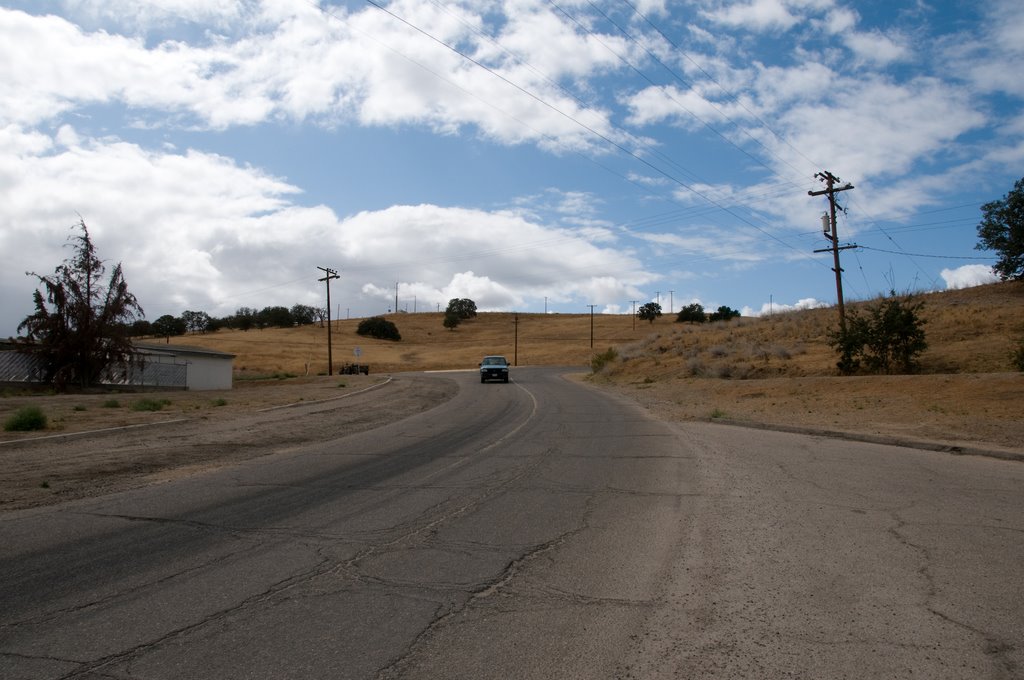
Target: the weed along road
(535, 529)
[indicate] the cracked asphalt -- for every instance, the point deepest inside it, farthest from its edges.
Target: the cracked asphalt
(539, 529)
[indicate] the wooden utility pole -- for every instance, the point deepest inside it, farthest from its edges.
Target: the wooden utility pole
(831, 234)
(515, 354)
(592, 325)
(634, 313)
(328, 275)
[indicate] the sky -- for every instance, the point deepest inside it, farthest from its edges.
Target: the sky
(533, 156)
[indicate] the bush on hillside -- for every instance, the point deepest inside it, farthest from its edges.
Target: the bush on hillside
(1017, 355)
(599, 361)
(451, 320)
(380, 328)
(464, 308)
(693, 313)
(723, 313)
(888, 339)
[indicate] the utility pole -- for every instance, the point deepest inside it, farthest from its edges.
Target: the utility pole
(831, 234)
(633, 302)
(396, 297)
(328, 275)
(515, 354)
(658, 297)
(592, 325)
(671, 303)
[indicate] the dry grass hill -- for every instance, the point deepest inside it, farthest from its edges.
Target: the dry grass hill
(767, 372)
(776, 370)
(969, 331)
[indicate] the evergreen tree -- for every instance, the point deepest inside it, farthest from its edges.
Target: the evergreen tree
(81, 327)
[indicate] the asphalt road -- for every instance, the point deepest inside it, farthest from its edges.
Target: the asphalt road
(539, 529)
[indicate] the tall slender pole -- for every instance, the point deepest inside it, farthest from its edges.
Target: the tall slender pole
(831, 190)
(328, 275)
(592, 325)
(515, 354)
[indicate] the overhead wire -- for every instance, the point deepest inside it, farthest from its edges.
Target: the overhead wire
(600, 135)
(710, 77)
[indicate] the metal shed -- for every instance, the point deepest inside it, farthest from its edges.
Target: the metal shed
(204, 369)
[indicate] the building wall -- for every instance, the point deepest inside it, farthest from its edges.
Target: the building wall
(208, 373)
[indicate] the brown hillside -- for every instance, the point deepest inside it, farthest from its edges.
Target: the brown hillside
(968, 331)
(775, 370)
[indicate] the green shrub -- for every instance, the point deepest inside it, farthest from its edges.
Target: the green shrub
(723, 313)
(219, 402)
(26, 419)
(599, 361)
(111, 403)
(888, 339)
(378, 327)
(150, 404)
(693, 313)
(1017, 355)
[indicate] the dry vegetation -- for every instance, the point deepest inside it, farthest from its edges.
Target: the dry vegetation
(774, 370)
(969, 331)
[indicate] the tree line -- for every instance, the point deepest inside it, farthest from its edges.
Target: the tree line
(244, 319)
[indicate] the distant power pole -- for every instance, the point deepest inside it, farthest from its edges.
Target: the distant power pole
(831, 234)
(328, 275)
(592, 325)
(671, 303)
(396, 297)
(515, 354)
(633, 302)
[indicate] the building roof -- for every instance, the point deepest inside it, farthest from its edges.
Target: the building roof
(162, 348)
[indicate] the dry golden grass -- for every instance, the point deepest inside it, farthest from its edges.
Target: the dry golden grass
(772, 370)
(543, 340)
(968, 331)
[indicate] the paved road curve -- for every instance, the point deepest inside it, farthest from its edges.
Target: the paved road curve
(538, 529)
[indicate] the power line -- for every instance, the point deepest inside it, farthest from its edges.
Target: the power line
(710, 77)
(941, 257)
(617, 145)
(688, 85)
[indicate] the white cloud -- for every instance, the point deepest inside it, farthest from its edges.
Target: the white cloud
(198, 231)
(293, 62)
(755, 15)
(888, 127)
(710, 243)
(772, 307)
(144, 14)
(968, 276)
(876, 48)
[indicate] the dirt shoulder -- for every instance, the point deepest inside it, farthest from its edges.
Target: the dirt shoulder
(94, 447)
(966, 411)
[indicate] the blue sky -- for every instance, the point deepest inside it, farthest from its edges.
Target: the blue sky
(525, 154)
